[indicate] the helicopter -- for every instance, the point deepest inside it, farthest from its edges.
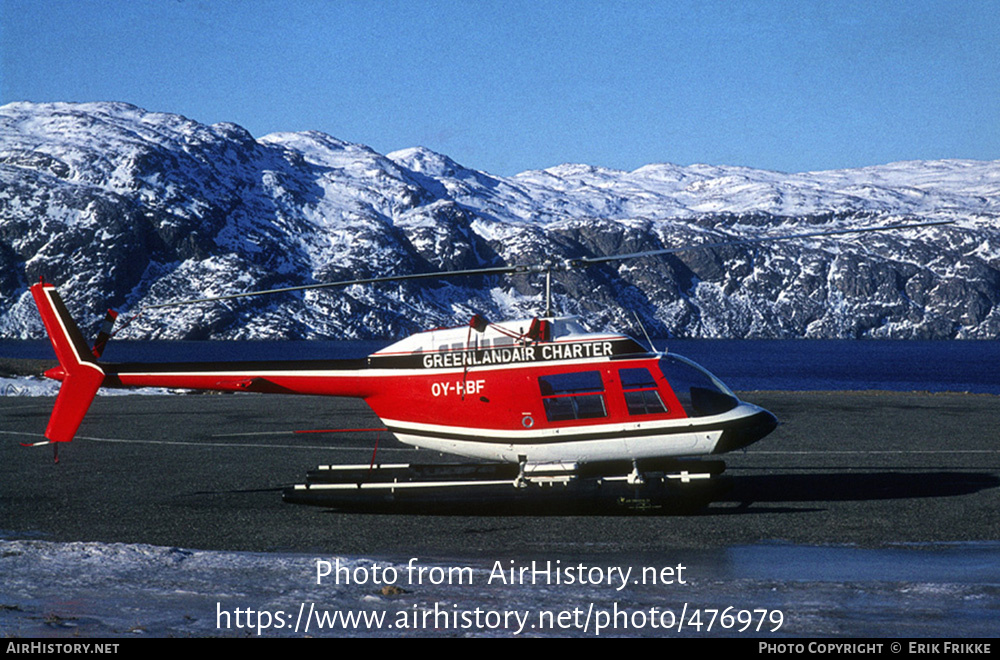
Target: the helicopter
(541, 404)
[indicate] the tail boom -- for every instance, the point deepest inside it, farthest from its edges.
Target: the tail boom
(82, 376)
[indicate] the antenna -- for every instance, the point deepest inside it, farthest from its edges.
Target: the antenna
(642, 327)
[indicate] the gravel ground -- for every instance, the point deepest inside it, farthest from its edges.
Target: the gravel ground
(206, 471)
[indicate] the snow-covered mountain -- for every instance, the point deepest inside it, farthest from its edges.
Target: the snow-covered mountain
(120, 207)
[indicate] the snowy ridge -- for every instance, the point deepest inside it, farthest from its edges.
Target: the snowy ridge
(120, 207)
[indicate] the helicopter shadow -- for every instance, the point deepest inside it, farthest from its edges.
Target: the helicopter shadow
(758, 493)
(751, 494)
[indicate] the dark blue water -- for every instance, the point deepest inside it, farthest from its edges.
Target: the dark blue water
(809, 364)
(935, 366)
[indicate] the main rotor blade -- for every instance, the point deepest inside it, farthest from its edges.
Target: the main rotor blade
(546, 267)
(745, 241)
(326, 285)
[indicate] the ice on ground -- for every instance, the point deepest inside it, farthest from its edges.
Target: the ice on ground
(109, 589)
(30, 386)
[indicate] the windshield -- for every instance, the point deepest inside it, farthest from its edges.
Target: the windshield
(699, 392)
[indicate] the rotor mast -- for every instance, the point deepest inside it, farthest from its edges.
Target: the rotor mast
(548, 293)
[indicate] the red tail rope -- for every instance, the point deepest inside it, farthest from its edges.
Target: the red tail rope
(371, 466)
(126, 324)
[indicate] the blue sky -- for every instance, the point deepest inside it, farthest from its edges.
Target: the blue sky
(510, 86)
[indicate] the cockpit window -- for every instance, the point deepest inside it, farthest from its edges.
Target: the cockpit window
(641, 397)
(699, 392)
(633, 379)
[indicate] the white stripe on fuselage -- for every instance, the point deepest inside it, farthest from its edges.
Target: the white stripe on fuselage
(697, 443)
(360, 373)
(652, 427)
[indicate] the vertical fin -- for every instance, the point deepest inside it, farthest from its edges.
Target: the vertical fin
(79, 372)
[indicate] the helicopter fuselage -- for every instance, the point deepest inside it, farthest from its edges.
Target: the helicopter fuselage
(525, 391)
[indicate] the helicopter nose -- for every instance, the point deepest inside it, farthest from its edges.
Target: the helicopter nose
(747, 431)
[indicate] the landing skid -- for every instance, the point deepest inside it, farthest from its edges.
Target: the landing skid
(663, 486)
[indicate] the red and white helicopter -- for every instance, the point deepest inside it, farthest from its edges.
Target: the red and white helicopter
(546, 401)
